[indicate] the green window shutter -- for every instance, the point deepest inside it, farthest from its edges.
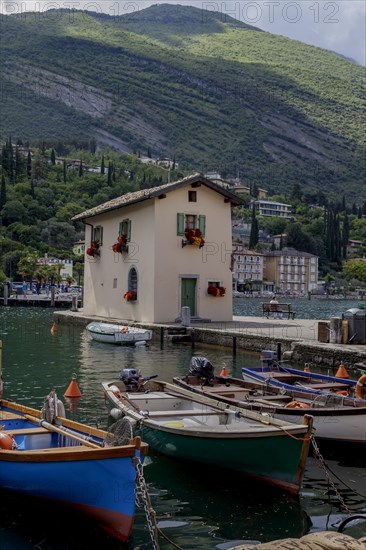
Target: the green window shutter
(100, 234)
(128, 230)
(120, 229)
(180, 224)
(202, 225)
(92, 238)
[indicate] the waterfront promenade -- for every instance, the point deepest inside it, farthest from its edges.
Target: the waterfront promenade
(298, 337)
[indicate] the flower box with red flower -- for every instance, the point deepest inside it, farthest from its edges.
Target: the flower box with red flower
(121, 245)
(193, 236)
(93, 249)
(130, 296)
(216, 291)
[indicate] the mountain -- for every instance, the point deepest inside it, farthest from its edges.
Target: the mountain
(208, 90)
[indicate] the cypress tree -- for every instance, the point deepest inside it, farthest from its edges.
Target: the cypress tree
(102, 166)
(80, 169)
(64, 171)
(29, 165)
(2, 192)
(345, 235)
(254, 230)
(53, 157)
(109, 176)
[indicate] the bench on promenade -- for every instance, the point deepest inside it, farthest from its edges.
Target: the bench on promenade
(285, 309)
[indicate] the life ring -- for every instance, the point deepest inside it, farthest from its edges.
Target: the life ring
(360, 382)
(297, 405)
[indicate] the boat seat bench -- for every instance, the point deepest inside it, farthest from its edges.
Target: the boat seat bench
(330, 386)
(182, 412)
(27, 431)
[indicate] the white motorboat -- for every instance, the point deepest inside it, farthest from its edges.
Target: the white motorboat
(117, 334)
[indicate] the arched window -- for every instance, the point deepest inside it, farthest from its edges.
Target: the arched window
(132, 281)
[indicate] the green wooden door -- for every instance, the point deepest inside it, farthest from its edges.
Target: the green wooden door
(188, 296)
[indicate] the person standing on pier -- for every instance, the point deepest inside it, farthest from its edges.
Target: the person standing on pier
(24, 288)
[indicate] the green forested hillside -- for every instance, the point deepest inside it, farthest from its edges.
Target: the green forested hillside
(213, 93)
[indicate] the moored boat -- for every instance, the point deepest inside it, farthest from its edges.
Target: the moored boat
(274, 373)
(196, 428)
(71, 464)
(338, 419)
(117, 334)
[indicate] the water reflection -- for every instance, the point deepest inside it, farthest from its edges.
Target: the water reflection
(194, 506)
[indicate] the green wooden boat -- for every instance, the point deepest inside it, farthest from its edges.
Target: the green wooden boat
(186, 426)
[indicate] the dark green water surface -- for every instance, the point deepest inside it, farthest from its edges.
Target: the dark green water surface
(197, 508)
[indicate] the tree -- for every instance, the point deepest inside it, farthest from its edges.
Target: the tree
(27, 266)
(102, 166)
(109, 176)
(254, 230)
(345, 236)
(355, 269)
(2, 192)
(80, 169)
(29, 165)
(53, 157)
(297, 238)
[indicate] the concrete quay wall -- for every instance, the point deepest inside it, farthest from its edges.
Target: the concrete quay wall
(298, 339)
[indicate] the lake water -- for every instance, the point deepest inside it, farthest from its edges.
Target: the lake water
(195, 507)
(316, 308)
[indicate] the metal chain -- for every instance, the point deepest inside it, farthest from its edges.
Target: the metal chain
(320, 458)
(143, 500)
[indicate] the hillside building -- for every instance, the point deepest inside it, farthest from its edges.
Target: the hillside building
(272, 208)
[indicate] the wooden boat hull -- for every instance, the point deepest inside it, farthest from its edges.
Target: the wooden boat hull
(336, 418)
(245, 455)
(97, 481)
(116, 334)
(210, 433)
(309, 382)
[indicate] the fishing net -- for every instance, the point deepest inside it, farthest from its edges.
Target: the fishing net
(119, 433)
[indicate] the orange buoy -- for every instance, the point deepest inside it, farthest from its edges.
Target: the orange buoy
(223, 372)
(6, 441)
(54, 328)
(342, 372)
(73, 389)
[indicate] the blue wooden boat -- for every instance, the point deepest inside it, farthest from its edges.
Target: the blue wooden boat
(177, 423)
(71, 464)
(275, 374)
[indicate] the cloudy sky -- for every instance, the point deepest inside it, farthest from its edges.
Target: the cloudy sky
(338, 25)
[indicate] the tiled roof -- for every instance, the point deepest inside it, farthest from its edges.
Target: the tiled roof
(290, 252)
(145, 194)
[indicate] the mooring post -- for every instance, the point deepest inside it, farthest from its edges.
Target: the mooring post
(234, 345)
(74, 302)
(53, 292)
(6, 293)
(161, 337)
(279, 353)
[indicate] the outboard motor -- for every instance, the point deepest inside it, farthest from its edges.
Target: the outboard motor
(131, 378)
(268, 357)
(201, 366)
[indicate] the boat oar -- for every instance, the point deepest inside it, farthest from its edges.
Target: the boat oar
(53, 428)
